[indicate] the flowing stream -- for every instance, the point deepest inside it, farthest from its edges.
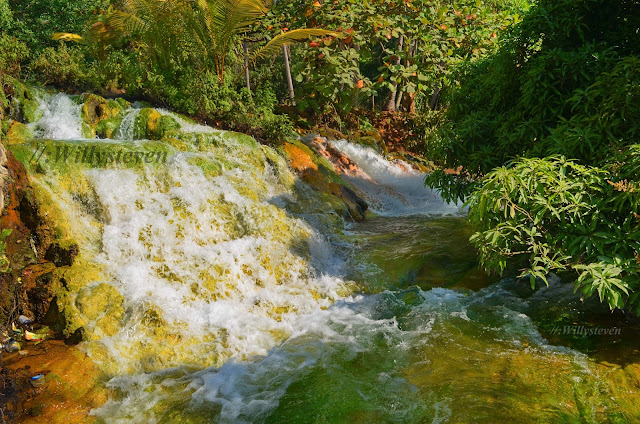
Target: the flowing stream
(243, 300)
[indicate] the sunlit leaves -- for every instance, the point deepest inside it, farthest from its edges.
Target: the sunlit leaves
(554, 214)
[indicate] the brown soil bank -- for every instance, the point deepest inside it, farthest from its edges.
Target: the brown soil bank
(71, 380)
(72, 385)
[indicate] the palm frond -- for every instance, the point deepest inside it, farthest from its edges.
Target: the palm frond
(66, 36)
(274, 46)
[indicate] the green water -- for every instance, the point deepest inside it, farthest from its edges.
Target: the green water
(422, 348)
(395, 253)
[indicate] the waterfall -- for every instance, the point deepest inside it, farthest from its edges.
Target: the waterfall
(126, 129)
(392, 188)
(60, 119)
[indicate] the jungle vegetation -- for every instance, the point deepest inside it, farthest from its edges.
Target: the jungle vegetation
(528, 110)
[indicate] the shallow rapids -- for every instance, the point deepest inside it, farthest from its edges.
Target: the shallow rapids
(231, 292)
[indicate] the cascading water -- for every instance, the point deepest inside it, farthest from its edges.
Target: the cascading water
(219, 291)
(60, 118)
(126, 128)
(392, 188)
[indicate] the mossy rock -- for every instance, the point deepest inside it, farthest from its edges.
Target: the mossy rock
(370, 138)
(107, 128)
(118, 104)
(102, 299)
(122, 103)
(148, 125)
(243, 139)
(211, 168)
(31, 110)
(176, 143)
(76, 277)
(18, 133)
(94, 109)
(101, 117)
(200, 141)
(88, 131)
(62, 253)
(330, 133)
(166, 124)
(319, 174)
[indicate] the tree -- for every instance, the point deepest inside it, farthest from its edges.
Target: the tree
(202, 30)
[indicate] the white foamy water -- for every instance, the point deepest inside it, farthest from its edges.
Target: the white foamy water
(60, 119)
(187, 126)
(392, 188)
(126, 129)
(320, 359)
(205, 254)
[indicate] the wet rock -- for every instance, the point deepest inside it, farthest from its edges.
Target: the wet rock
(107, 128)
(320, 176)
(101, 117)
(74, 385)
(370, 138)
(18, 133)
(102, 301)
(299, 159)
(62, 254)
(75, 338)
(166, 124)
(31, 110)
(95, 109)
(151, 125)
(357, 206)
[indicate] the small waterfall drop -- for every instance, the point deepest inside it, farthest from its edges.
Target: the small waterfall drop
(60, 119)
(391, 188)
(126, 129)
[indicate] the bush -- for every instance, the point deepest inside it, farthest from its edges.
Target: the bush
(565, 82)
(554, 214)
(275, 128)
(13, 54)
(6, 17)
(34, 21)
(61, 66)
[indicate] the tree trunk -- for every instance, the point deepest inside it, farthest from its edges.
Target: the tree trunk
(399, 100)
(292, 94)
(246, 65)
(409, 103)
(435, 98)
(409, 100)
(391, 102)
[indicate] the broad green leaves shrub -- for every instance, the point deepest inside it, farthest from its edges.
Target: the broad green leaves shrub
(553, 214)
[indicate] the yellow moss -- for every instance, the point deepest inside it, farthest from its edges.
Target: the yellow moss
(103, 299)
(18, 133)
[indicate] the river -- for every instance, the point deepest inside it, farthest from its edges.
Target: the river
(238, 298)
